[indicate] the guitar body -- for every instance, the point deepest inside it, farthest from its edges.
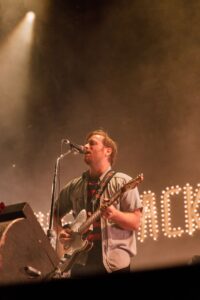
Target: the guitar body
(71, 250)
(77, 243)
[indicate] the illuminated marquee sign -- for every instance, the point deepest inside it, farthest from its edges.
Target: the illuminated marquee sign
(149, 223)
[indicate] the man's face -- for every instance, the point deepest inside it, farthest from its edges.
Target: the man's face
(96, 151)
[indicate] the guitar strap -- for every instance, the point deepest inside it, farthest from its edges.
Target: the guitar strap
(96, 198)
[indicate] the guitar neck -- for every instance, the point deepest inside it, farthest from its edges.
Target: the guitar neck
(97, 213)
(89, 221)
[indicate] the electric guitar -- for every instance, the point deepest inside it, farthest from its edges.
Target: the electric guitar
(77, 243)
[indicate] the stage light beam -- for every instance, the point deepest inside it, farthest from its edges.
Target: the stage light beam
(15, 54)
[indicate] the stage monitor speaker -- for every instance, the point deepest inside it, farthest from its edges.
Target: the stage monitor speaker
(26, 254)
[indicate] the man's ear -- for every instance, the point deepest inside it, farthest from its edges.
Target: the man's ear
(108, 151)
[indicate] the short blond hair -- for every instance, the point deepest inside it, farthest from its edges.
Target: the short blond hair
(107, 142)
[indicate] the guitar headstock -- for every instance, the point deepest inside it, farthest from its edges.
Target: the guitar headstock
(133, 183)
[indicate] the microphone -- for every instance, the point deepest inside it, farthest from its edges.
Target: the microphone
(79, 148)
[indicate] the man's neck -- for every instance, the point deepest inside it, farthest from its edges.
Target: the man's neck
(98, 171)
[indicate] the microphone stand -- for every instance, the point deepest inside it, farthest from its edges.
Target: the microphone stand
(56, 273)
(50, 231)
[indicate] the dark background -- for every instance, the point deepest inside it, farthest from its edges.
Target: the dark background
(129, 67)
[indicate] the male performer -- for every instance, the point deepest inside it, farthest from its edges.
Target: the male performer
(114, 234)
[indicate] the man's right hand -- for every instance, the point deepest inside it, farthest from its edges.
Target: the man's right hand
(65, 235)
